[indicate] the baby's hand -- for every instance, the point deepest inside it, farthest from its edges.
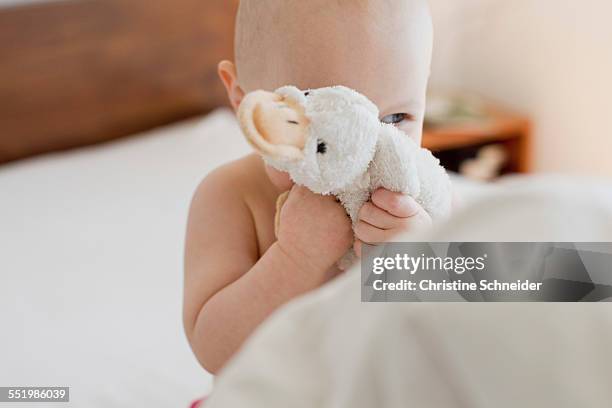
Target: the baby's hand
(314, 230)
(386, 215)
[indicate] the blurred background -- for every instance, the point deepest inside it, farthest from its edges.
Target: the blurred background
(548, 59)
(538, 71)
(111, 113)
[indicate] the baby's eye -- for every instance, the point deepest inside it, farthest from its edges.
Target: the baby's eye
(396, 118)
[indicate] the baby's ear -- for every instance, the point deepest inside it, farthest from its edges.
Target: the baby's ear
(227, 74)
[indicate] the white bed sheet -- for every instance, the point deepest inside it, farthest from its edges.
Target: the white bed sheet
(91, 248)
(91, 266)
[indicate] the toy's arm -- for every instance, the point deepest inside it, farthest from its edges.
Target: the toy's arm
(394, 165)
(400, 165)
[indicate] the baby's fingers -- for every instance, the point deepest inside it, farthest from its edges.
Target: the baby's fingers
(378, 217)
(397, 204)
(370, 234)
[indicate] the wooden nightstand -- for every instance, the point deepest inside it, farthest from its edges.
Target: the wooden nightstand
(457, 142)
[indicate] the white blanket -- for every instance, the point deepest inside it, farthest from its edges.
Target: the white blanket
(91, 245)
(328, 349)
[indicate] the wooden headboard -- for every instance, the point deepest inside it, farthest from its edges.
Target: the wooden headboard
(79, 72)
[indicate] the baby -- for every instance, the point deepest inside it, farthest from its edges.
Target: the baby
(237, 272)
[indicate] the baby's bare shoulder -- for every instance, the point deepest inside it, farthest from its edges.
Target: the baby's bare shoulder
(234, 189)
(236, 179)
(226, 214)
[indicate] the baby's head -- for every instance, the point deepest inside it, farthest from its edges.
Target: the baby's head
(381, 48)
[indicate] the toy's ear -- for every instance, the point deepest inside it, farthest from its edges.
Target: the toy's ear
(273, 126)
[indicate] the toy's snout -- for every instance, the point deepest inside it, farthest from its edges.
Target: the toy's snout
(276, 126)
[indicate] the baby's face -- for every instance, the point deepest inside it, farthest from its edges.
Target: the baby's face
(383, 55)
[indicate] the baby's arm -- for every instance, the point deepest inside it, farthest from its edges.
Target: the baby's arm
(228, 290)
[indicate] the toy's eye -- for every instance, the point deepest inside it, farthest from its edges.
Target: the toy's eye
(306, 93)
(321, 147)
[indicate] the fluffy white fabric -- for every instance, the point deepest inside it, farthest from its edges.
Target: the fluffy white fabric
(328, 349)
(361, 154)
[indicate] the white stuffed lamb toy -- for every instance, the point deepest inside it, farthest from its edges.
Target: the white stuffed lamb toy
(331, 141)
